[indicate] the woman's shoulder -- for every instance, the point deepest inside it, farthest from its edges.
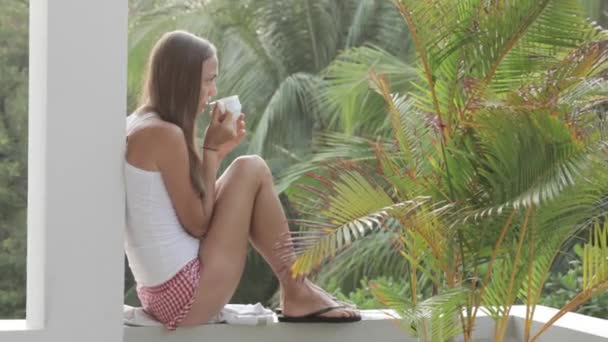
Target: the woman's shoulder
(156, 137)
(153, 141)
(153, 127)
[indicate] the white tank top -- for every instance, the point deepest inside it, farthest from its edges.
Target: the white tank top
(156, 244)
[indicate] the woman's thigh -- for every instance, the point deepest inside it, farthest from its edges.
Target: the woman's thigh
(223, 251)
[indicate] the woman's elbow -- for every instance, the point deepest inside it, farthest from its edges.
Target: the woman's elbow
(196, 229)
(196, 232)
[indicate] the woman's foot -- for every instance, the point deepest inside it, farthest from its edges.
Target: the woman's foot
(304, 298)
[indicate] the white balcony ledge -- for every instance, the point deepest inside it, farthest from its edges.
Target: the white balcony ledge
(377, 327)
(374, 326)
(13, 325)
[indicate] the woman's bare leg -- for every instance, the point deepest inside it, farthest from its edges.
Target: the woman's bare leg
(269, 227)
(247, 206)
(223, 251)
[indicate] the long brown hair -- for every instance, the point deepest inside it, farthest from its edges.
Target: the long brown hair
(172, 88)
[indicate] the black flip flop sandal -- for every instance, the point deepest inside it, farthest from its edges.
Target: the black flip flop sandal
(316, 317)
(346, 305)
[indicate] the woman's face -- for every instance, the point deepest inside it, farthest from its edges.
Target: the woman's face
(208, 88)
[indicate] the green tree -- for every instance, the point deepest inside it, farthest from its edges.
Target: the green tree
(13, 155)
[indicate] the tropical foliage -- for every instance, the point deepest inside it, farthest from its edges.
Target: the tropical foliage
(13, 155)
(562, 286)
(496, 161)
(559, 289)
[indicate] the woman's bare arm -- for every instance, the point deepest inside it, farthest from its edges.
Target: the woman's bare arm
(194, 212)
(210, 164)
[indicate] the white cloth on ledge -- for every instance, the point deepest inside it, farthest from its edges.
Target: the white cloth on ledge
(241, 314)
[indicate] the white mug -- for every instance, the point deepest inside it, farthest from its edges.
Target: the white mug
(231, 104)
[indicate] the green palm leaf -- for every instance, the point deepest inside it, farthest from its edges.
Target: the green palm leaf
(529, 36)
(581, 65)
(329, 147)
(294, 103)
(595, 274)
(533, 153)
(363, 13)
(431, 319)
(353, 207)
(304, 34)
(370, 257)
(507, 278)
(359, 109)
(438, 31)
(595, 259)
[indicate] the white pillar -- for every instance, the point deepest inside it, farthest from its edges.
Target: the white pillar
(78, 62)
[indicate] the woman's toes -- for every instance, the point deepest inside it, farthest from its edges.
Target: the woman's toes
(354, 313)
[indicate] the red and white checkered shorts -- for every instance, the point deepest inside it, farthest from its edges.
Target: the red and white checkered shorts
(171, 301)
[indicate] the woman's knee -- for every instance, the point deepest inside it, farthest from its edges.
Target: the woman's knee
(252, 166)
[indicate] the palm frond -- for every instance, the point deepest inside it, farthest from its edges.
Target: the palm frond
(389, 297)
(429, 320)
(328, 148)
(312, 248)
(589, 94)
(406, 168)
(500, 293)
(444, 310)
(352, 207)
(534, 152)
(303, 34)
(287, 114)
(499, 32)
(437, 32)
(370, 257)
(426, 241)
(543, 248)
(595, 258)
(390, 33)
(558, 27)
(361, 18)
(436, 27)
(569, 206)
(577, 207)
(382, 87)
(579, 66)
(359, 110)
(595, 274)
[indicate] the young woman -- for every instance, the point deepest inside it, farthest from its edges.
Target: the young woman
(187, 230)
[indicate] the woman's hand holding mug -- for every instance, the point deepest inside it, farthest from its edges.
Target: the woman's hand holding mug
(225, 131)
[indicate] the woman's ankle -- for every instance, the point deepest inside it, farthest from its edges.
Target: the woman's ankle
(294, 288)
